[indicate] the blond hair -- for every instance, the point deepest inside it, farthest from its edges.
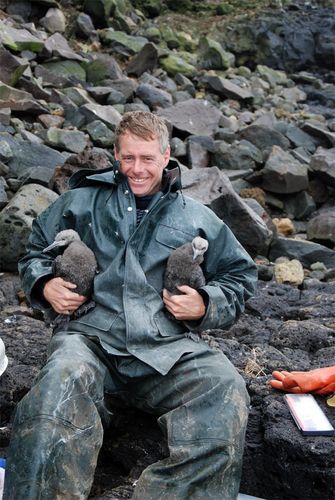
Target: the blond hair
(145, 125)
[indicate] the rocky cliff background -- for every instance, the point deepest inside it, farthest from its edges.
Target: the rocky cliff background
(248, 93)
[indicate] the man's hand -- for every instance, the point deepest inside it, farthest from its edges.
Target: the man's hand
(59, 295)
(186, 307)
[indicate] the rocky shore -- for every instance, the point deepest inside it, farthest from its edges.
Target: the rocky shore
(251, 110)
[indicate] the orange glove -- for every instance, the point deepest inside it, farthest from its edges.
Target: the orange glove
(319, 381)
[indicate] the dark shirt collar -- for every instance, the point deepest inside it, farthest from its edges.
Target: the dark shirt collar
(142, 202)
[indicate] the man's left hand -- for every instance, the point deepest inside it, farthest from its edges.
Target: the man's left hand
(186, 307)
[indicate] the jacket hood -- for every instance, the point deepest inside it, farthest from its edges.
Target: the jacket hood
(83, 178)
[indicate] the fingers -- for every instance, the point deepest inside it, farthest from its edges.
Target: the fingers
(276, 384)
(60, 296)
(188, 306)
(279, 375)
(67, 284)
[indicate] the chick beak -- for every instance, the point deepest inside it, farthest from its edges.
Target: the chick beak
(60, 243)
(196, 252)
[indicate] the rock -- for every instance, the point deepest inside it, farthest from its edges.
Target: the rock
(278, 44)
(194, 116)
(101, 67)
(145, 60)
(284, 226)
(283, 174)
(299, 205)
(306, 252)
(290, 272)
(323, 164)
(255, 193)
(54, 20)
(67, 69)
(16, 220)
(107, 114)
(178, 147)
(70, 140)
(264, 138)
(212, 188)
(100, 10)
(19, 100)
(121, 43)
(242, 153)
(321, 228)
(174, 64)
(153, 97)
(36, 175)
(273, 76)
(5, 114)
(213, 55)
(85, 26)
(51, 120)
(299, 138)
(11, 67)
(316, 130)
(57, 46)
(19, 39)
(28, 154)
(100, 134)
(3, 195)
(198, 151)
(88, 159)
(225, 88)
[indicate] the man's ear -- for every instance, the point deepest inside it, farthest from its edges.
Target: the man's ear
(167, 155)
(116, 154)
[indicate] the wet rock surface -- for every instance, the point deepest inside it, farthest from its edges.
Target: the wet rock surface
(283, 328)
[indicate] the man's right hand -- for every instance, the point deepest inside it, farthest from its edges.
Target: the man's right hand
(60, 296)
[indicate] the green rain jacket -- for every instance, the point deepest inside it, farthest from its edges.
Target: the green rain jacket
(129, 317)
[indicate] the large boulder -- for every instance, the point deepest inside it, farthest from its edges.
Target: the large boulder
(16, 221)
(212, 188)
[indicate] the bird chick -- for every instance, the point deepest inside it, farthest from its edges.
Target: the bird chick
(183, 266)
(78, 265)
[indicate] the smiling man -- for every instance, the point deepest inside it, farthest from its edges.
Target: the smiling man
(143, 157)
(135, 346)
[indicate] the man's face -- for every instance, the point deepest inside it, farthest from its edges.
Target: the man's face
(142, 162)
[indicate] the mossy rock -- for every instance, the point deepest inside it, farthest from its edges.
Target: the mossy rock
(67, 68)
(213, 55)
(174, 64)
(152, 8)
(130, 44)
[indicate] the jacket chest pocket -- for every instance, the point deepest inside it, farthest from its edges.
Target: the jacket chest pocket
(170, 238)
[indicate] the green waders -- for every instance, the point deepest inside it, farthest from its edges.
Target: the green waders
(58, 431)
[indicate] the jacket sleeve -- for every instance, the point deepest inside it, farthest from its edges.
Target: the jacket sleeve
(35, 268)
(231, 277)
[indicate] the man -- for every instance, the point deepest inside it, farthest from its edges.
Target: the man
(135, 345)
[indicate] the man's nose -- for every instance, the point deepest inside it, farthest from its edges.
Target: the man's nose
(137, 165)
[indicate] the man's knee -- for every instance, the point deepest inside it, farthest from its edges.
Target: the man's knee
(68, 388)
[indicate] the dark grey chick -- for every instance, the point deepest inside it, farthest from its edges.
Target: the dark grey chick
(183, 266)
(78, 265)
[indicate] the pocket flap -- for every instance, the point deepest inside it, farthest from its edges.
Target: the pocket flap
(99, 318)
(173, 237)
(168, 327)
